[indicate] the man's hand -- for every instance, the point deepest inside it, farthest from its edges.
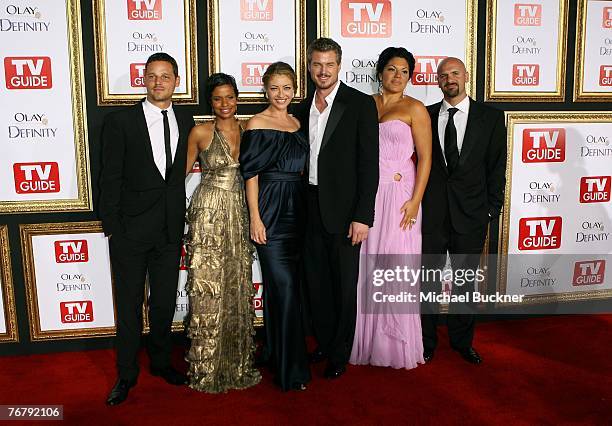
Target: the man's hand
(358, 232)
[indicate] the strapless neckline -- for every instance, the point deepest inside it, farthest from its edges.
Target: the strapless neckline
(394, 120)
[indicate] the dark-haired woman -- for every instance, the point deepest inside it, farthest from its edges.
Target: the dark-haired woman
(272, 158)
(389, 333)
(219, 253)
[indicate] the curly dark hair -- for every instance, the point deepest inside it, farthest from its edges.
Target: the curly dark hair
(394, 52)
(219, 79)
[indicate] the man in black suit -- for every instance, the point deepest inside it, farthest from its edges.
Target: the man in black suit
(142, 207)
(464, 193)
(342, 128)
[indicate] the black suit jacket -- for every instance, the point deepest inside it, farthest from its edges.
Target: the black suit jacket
(474, 193)
(348, 159)
(135, 200)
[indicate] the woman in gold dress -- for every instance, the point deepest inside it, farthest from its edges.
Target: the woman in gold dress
(219, 253)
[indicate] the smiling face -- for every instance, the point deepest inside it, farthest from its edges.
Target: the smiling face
(324, 69)
(280, 91)
(452, 77)
(160, 82)
(395, 75)
(224, 101)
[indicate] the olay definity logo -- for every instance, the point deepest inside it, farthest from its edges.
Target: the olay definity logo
(366, 18)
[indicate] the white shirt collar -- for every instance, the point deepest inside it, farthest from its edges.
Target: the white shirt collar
(148, 106)
(329, 99)
(463, 106)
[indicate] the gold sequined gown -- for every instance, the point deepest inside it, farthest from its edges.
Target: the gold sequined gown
(220, 286)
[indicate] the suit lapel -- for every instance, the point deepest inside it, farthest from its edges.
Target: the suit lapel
(335, 115)
(435, 112)
(471, 131)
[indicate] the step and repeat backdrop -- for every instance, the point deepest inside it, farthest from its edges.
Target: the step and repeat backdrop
(555, 231)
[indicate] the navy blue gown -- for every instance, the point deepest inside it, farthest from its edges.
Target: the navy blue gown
(278, 159)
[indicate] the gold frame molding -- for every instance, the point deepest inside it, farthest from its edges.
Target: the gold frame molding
(83, 202)
(191, 79)
(521, 96)
(28, 231)
(581, 33)
(300, 50)
(6, 287)
(523, 117)
(471, 41)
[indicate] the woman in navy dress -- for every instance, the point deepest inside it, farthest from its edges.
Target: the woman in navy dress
(272, 158)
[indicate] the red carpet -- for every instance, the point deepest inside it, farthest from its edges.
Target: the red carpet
(555, 370)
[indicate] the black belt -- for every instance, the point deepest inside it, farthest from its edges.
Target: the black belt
(280, 176)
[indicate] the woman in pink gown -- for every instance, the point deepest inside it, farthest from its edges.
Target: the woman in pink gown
(389, 334)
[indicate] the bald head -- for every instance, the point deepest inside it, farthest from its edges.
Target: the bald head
(452, 77)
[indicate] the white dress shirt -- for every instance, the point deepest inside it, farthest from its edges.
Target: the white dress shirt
(316, 130)
(460, 118)
(155, 124)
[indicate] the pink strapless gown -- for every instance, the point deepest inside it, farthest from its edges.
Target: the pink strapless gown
(390, 339)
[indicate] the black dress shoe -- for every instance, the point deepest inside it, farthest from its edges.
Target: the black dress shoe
(170, 375)
(470, 355)
(428, 355)
(333, 371)
(316, 356)
(119, 392)
(299, 386)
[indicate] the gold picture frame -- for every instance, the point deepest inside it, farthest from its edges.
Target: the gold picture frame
(8, 297)
(491, 94)
(580, 95)
(471, 31)
(524, 117)
(83, 202)
(105, 98)
(28, 231)
(215, 60)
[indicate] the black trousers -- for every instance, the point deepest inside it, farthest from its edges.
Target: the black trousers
(131, 262)
(464, 251)
(331, 266)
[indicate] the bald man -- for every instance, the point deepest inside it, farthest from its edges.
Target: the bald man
(464, 193)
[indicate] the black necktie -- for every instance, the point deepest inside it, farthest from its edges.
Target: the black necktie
(167, 144)
(450, 142)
